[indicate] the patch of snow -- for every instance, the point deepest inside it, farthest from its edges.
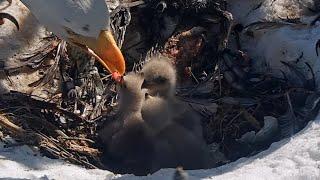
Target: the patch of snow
(297, 158)
(14, 44)
(28, 38)
(288, 43)
(246, 11)
(23, 162)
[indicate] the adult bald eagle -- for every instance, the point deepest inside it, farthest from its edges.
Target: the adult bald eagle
(85, 23)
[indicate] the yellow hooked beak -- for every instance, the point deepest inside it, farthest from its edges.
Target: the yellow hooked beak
(104, 49)
(109, 53)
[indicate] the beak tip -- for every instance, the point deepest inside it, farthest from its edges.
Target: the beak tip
(109, 54)
(116, 76)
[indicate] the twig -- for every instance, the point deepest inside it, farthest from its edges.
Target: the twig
(76, 138)
(14, 129)
(313, 75)
(235, 117)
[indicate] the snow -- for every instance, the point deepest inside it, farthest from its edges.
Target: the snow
(285, 43)
(14, 43)
(23, 162)
(295, 158)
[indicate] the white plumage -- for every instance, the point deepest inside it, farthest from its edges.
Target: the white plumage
(81, 16)
(82, 23)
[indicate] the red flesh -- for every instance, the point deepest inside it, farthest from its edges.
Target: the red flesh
(117, 77)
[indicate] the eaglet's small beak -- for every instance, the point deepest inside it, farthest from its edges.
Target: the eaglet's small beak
(104, 48)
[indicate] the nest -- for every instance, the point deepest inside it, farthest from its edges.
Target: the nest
(236, 103)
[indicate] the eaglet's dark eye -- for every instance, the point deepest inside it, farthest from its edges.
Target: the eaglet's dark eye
(160, 80)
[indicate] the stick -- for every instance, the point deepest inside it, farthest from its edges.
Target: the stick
(12, 128)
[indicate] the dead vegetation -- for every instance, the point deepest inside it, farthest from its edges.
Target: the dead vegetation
(237, 105)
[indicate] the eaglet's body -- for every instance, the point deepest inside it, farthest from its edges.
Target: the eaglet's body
(178, 137)
(160, 80)
(131, 143)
